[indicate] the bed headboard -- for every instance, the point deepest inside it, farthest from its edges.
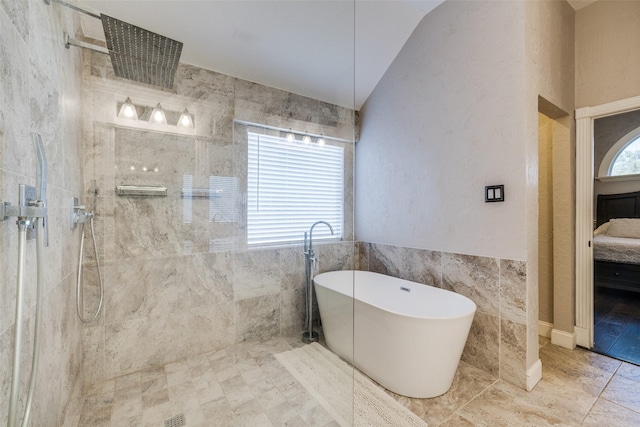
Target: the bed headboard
(626, 205)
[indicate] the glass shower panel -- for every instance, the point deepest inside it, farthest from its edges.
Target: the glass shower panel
(186, 294)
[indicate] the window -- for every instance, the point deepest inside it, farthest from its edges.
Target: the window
(627, 162)
(291, 185)
(622, 161)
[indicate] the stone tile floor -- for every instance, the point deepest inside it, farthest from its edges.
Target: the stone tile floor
(617, 324)
(244, 385)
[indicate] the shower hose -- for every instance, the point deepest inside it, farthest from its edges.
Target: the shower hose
(79, 298)
(15, 379)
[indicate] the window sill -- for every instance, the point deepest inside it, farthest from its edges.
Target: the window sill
(635, 177)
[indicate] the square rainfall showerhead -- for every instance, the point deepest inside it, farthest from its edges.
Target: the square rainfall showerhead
(140, 55)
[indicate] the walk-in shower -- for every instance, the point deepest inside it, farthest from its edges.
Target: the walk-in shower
(31, 213)
(310, 260)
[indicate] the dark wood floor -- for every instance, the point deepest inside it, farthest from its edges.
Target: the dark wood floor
(617, 324)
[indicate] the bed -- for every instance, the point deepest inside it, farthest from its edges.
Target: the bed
(616, 242)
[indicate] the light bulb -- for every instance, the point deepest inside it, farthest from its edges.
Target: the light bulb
(185, 120)
(321, 141)
(306, 139)
(128, 110)
(291, 137)
(158, 116)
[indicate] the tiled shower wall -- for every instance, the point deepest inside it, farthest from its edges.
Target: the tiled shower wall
(498, 336)
(179, 281)
(40, 91)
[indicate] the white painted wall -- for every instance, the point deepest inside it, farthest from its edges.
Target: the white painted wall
(447, 119)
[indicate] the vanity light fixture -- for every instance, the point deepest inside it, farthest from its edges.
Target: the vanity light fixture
(157, 116)
(185, 120)
(128, 110)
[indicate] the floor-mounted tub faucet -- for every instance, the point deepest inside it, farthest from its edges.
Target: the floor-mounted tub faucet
(309, 335)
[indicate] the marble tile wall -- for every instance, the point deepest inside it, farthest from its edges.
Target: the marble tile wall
(179, 280)
(497, 341)
(40, 91)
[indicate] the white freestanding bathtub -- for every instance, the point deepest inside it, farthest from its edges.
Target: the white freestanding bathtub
(406, 336)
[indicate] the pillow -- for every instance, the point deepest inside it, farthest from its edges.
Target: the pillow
(624, 227)
(602, 229)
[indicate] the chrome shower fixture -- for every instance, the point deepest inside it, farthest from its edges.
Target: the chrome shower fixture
(31, 213)
(79, 214)
(136, 54)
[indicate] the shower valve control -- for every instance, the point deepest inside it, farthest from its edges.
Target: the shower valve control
(79, 214)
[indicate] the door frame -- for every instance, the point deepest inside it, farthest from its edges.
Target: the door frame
(584, 211)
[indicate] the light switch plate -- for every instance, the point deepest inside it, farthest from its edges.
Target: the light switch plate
(494, 193)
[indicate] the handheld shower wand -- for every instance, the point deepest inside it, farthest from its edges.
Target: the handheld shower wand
(41, 180)
(31, 212)
(80, 215)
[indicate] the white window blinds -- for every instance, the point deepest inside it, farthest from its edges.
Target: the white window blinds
(290, 186)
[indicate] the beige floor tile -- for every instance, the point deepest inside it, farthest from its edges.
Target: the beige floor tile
(624, 392)
(239, 397)
(180, 389)
(133, 421)
(218, 412)
(181, 403)
(578, 369)
(456, 421)
(496, 408)
(542, 341)
(269, 398)
(283, 414)
(554, 397)
(629, 371)
(106, 387)
(605, 413)
(126, 381)
(316, 415)
(159, 397)
(244, 385)
(251, 413)
(210, 392)
(194, 418)
(468, 383)
(157, 414)
(153, 380)
(127, 409)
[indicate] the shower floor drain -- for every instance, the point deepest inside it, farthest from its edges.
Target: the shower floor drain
(177, 421)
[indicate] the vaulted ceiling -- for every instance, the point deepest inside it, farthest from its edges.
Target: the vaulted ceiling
(332, 50)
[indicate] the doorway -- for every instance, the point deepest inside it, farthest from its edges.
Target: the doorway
(616, 248)
(556, 227)
(586, 300)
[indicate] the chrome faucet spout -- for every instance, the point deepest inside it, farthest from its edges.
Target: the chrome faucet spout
(311, 232)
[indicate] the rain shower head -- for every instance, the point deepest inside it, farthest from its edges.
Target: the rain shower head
(140, 55)
(136, 54)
